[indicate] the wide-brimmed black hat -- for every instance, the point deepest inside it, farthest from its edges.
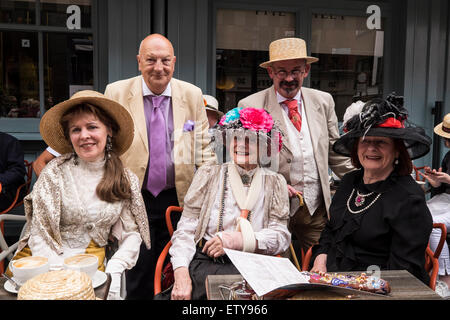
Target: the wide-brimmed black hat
(384, 118)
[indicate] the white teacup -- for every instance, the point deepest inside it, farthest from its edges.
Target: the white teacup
(28, 267)
(83, 262)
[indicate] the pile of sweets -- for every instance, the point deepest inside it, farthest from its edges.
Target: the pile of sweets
(362, 282)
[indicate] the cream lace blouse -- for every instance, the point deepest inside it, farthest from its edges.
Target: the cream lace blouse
(64, 214)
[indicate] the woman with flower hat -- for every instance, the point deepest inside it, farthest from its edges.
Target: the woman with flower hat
(439, 204)
(237, 205)
(378, 216)
(86, 197)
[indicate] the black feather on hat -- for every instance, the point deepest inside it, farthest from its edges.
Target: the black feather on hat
(384, 118)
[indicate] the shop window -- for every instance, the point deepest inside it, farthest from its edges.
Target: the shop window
(20, 12)
(350, 65)
(67, 66)
(242, 44)
(19, 82)
(63, 61)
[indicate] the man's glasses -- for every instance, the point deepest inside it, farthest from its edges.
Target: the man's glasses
(282, 74)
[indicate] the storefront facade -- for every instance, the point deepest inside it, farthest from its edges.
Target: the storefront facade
(52, 48)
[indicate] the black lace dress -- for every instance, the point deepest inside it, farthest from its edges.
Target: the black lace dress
(390, 229)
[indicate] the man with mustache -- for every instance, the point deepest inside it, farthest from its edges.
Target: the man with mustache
(309, 127)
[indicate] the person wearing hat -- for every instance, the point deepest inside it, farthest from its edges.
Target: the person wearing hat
(214, 115)
(238, 205)
(309, 125)
(212, 110)
(171, 140)
(85, 196)
(439, 204)
(378, 216)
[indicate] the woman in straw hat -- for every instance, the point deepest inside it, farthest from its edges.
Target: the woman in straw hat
(378, 216)
(236, 205)
(86, 197)
(439, 205)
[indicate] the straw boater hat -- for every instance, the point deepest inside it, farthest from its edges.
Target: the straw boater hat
(53, 134)
(383, 118)
(287, 49)
(443, 128)
(212, 104)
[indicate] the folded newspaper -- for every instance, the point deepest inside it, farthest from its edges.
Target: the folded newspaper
(267, 274)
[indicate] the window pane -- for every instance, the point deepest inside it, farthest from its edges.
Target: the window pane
(22, 12)
(350, 65)
(54, 13)
(243, 38)
(68, 66)
(19, 82)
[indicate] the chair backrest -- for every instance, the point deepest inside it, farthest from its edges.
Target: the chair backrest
(25, 186)
(162, 257)
(431, 258)
(416, 170)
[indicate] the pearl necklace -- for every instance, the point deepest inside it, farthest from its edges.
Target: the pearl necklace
(359, 201)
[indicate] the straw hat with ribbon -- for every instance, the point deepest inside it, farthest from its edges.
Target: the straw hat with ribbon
(53, 133)
(287, 49)
(443, 128)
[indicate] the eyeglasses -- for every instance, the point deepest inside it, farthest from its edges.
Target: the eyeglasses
(282, 74)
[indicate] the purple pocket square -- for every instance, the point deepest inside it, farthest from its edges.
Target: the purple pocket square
(188, 126)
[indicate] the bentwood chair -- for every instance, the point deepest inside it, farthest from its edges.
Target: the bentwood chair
(431, 258)
(7, 251)
(163, 272)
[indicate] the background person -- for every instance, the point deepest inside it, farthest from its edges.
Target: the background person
(439, 205)
(86, 196)
(309, 125)
(12, 169)
(378, 215)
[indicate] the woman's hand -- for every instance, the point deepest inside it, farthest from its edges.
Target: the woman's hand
(182, 288)
(214, 247)
(292, 191)
(435, 177)
(320, 264)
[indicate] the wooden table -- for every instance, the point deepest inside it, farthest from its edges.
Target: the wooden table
(404, 286)
(100, 292)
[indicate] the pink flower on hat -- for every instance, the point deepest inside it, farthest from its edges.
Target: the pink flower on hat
(256, 119)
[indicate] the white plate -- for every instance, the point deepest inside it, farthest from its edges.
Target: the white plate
(98, 279)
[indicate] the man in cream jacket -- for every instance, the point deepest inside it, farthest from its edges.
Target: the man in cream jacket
(309, 127)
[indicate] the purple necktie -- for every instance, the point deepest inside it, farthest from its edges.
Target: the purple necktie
(156, 179)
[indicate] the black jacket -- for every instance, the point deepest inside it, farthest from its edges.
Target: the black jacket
(392, 233)
(12, 168)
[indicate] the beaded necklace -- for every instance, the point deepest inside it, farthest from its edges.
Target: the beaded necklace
(359, 201)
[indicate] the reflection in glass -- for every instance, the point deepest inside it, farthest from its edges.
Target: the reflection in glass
(68, 66)
(21, 12)
(243, 38)
(19, 76)
(54, 12)
(350, 65)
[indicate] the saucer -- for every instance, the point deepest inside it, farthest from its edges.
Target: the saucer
(98, 279)
(8, 285)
